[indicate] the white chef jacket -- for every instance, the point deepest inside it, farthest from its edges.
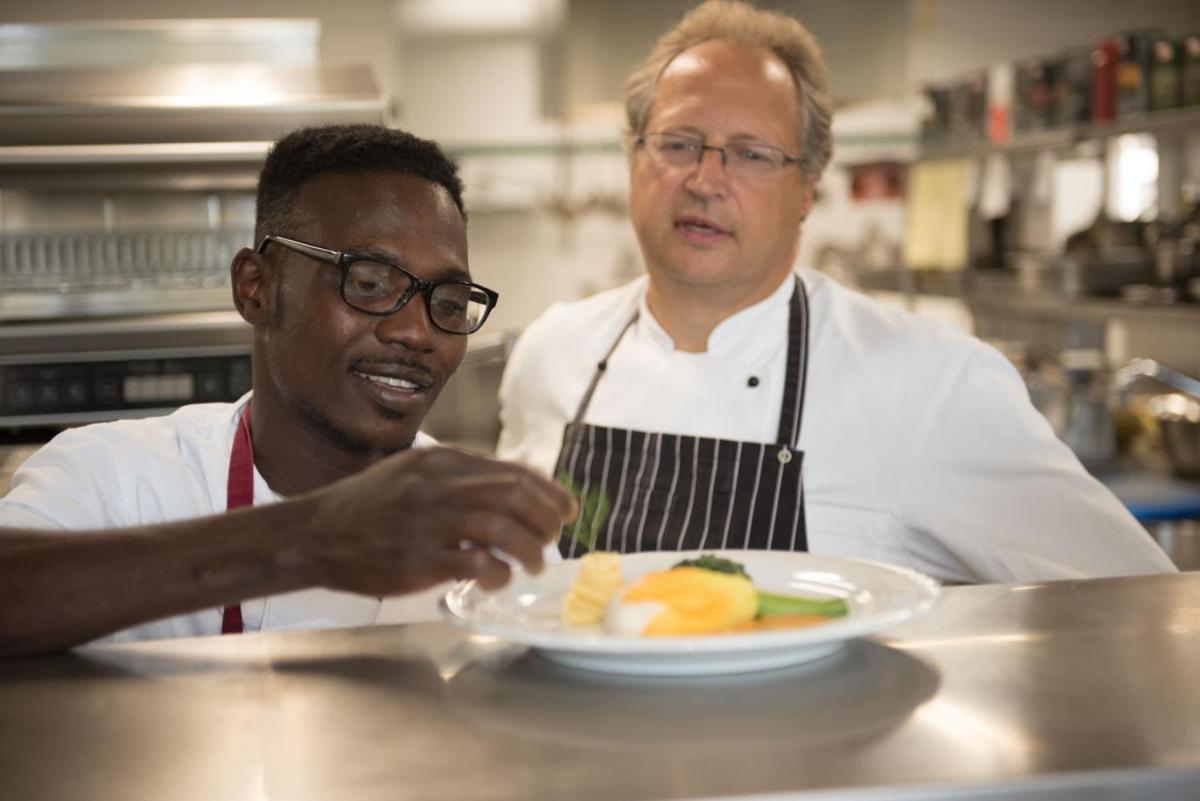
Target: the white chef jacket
(921, 447)
(161, 469)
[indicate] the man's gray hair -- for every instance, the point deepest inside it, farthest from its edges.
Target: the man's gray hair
(732, 21)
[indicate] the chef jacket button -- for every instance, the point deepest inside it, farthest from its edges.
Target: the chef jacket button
(752, 381)
(784, 455)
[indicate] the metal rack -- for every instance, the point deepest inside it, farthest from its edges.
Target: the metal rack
(1169, 122)
(73, 262)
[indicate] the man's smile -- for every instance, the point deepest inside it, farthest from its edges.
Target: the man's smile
(399, 383)
(392, 381)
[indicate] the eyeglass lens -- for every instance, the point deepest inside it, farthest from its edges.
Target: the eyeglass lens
(684, 151)
(378, 288)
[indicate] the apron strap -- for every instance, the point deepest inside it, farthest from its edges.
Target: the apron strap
(601, 366)
(795, 377)
(239, 491)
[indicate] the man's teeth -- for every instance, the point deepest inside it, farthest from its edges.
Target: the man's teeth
(388, 381)
(701, 227)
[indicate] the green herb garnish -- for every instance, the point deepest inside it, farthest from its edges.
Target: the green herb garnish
(593, 512)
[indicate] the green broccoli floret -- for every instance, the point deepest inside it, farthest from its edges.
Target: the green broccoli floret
(770, 603)
(716, 564)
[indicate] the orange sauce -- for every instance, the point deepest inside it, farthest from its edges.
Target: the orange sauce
(774, 622)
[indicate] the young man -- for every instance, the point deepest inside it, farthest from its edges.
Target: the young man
(361, 301)
(729, 400)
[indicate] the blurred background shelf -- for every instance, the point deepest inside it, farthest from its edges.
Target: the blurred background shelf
(999, 292)
(1167, 122)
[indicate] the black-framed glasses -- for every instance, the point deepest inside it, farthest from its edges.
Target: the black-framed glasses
(749, 159)
(377, 287)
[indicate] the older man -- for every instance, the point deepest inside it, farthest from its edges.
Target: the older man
(729, 399)
(361, 302)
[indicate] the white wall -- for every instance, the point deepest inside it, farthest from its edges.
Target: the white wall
(535, 259)
(472, 91)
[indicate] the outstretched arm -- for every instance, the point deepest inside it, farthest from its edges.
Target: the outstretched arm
(409, 522)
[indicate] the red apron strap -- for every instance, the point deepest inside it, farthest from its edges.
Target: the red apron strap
(239, 492)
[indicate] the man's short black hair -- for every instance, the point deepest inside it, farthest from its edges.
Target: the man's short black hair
(304, 154)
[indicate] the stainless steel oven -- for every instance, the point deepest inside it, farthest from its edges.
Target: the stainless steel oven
(125, 190)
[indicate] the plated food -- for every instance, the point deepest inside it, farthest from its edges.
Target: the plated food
(706, 595)
(528, 611)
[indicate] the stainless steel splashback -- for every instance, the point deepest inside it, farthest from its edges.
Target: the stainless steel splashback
(127, 173)
(129, 155)
(138, 42)
(162, 243)
(186, 80)
(87, 252)
(181, 102)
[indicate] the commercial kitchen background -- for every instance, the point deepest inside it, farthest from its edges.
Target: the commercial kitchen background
(526, 94)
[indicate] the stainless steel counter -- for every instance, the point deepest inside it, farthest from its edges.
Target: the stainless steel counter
(1066, 690)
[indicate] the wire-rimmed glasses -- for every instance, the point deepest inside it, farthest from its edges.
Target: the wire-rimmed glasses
(750, 159)
(377, 287)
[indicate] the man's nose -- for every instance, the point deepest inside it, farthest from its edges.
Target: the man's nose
(709, 177)
(409, 325)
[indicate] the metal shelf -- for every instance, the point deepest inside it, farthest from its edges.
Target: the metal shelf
(1158, 122)
(1084, 308)
(1007, 297)
(75, 156)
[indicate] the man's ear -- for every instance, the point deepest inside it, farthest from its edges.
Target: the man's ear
(809, 194)
(249, 274)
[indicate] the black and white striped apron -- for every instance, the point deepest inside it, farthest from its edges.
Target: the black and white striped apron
(675, 492)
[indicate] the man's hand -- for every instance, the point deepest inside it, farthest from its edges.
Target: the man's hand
(430, 515)
(410, 521)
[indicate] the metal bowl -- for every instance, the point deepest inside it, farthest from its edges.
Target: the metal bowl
(1178, 417)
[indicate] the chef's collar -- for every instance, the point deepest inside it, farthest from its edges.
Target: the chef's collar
(737, 334)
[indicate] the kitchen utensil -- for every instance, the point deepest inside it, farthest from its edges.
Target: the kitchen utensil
(1177, 413)
(1178, 417)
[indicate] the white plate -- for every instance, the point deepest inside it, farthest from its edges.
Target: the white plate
(527, 610)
